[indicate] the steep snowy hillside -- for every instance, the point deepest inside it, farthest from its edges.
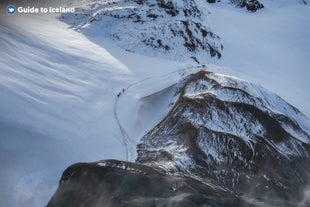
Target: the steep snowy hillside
(237, 134)
(57, 92)
(55, 88)
(168, 29)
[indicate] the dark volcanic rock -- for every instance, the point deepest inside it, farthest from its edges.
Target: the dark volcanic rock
(235, 133)
(250, 5)
(113, 183)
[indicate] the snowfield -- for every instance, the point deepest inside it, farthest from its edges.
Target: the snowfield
(269, 47)
(61, 89)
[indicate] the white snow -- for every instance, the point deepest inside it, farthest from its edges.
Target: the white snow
(58, 88)
(57, 92)
(269, 47)
(142, 33)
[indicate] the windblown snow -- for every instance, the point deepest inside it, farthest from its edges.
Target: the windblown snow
(60, 87)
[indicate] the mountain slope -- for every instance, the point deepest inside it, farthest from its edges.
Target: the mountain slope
(58, 86)
(142, 27)
(237, 134)
(54, 96)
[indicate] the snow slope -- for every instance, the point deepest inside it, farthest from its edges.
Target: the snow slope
(58, 88)
(57, 91)
(258, 47)
(142, 27)
(269, 47)
(53, 93)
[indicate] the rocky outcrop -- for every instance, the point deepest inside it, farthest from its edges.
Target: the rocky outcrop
(250, 5)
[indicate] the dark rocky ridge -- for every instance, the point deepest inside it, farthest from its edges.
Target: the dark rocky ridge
(113, 183)
(250, 5)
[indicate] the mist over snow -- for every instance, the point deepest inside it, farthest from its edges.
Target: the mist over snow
(59, 87)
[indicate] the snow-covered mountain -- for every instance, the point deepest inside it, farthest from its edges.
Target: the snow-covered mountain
(234, 133)
(64, 79)
(169, 29)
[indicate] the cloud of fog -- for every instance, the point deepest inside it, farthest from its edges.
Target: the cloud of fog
(31, 165)
(306, 201)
